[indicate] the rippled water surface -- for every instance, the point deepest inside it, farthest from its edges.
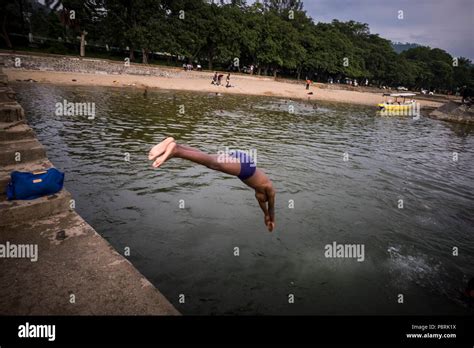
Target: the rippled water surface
(190, 251)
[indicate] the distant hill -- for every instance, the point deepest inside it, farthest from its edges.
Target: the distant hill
(400, 46)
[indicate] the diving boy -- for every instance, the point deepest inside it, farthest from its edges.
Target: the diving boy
(237, 163)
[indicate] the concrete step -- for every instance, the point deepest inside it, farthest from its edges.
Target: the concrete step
(7, 95)
(19, 211)
(34, 166)
(11, 112)
(21, 151)
(3, 79)
(11, 131)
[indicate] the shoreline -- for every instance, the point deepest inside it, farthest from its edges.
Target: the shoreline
(200, 81)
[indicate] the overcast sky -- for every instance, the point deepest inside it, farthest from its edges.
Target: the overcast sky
(447, 24)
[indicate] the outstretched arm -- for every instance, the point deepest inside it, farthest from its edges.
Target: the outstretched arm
(266, 201)
(271, 207)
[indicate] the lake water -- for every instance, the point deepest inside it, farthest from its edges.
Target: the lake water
(190, 250)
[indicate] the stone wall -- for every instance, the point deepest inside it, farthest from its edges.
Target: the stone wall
(84, 65)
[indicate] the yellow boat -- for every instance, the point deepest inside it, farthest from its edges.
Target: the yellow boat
(395, 106)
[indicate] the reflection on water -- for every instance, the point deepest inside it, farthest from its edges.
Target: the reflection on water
(191, 251)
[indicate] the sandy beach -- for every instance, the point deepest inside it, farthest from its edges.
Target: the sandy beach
(200, 81)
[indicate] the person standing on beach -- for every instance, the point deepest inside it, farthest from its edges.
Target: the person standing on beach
(219, 79)
(236, 163)
(308, 82)
(228, 81)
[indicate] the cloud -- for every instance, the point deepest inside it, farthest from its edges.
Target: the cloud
(446, 24)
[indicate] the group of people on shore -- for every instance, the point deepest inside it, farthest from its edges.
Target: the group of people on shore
(217, 80)
(189, 67)
(348, 81)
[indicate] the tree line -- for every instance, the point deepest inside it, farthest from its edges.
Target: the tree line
(277, 37)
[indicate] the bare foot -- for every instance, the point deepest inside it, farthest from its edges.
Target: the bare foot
(159, 149)
(169, 152)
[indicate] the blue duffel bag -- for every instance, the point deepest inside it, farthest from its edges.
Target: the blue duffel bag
(25, 185)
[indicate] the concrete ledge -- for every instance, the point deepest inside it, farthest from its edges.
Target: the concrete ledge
(12, 132)
(12, 212)
(78, 262)
(7, 95)
(11, 112)
(3, 79)
(28, 150)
